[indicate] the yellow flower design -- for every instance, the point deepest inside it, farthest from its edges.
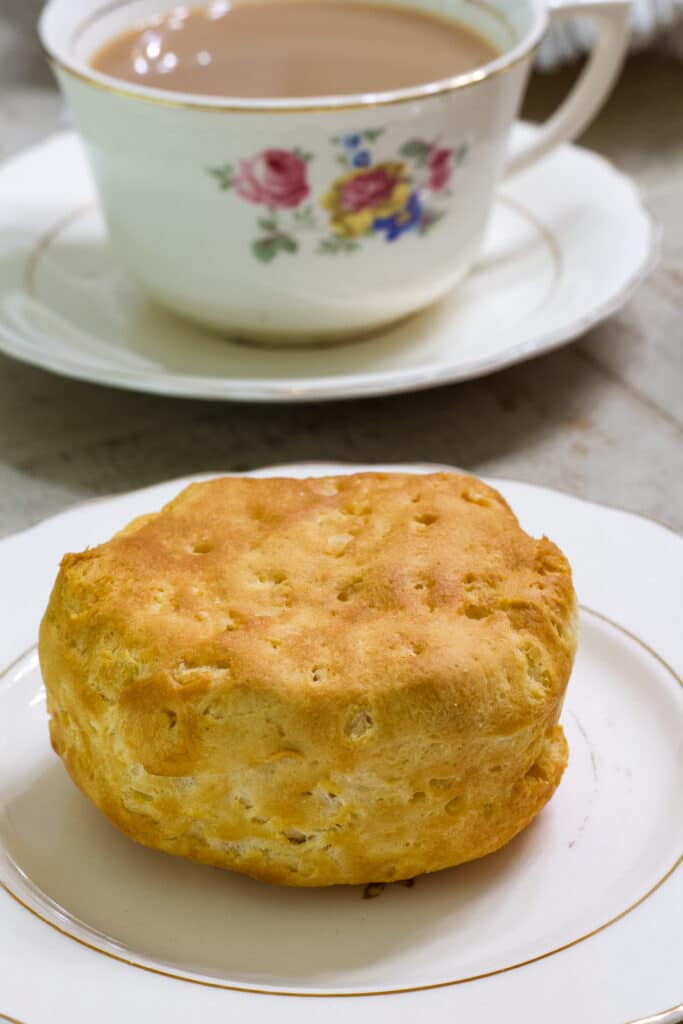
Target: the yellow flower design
(360, 197)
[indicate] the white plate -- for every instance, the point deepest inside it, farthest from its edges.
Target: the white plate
(577, 920)
(568, 242)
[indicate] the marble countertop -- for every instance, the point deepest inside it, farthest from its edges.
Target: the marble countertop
(602, 418)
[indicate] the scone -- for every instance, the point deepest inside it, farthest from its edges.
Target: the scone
(338, 680)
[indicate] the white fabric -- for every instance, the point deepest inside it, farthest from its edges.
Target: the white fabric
(658, 22)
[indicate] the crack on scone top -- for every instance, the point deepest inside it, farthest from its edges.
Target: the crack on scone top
(426, 519)
(350, 589)
(183, 674)
(426, 587)
(359, 725)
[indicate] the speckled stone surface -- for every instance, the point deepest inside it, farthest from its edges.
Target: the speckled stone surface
(602, 419)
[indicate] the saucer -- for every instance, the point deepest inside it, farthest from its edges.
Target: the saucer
(568, 242)
(576, 920)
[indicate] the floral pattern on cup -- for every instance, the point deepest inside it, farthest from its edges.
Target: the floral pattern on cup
(386, 198)
(274, 178)
(360, 197)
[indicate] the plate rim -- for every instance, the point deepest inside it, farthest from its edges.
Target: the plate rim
(346, 386)
(663, 531)
(5, 672)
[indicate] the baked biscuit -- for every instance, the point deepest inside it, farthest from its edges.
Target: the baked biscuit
(334, 680)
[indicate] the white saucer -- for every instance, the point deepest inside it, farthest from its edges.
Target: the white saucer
(578, 919)
(568, 243)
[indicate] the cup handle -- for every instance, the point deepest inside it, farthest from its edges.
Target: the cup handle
(592, 88)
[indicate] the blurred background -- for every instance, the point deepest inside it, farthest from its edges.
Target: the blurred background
(602, 418)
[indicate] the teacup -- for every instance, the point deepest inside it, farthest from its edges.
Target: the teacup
(257, 216)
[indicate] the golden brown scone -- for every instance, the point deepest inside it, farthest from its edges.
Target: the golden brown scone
(346, 679)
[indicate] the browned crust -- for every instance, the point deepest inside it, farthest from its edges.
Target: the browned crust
(315, 681)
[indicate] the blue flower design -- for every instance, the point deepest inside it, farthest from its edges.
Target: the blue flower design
(406, 219)
(351, 141)
(362, 158)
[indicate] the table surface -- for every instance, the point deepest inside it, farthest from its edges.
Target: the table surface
(602, 418)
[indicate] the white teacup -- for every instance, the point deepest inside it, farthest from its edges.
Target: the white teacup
(305, 220)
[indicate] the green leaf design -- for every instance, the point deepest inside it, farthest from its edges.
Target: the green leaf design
(430, 217)
(416, 149)
(302, 154)
(265, 249)
(461, 153)
(335, 244)
(304, 217)
(223, 175)
(267, 223)
(371, 134)
(341, 159)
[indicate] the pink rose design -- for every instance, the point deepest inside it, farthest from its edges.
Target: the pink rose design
(369, 189)
(440, 169)
(275, 177)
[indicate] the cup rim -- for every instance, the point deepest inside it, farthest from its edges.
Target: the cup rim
(83, 72)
